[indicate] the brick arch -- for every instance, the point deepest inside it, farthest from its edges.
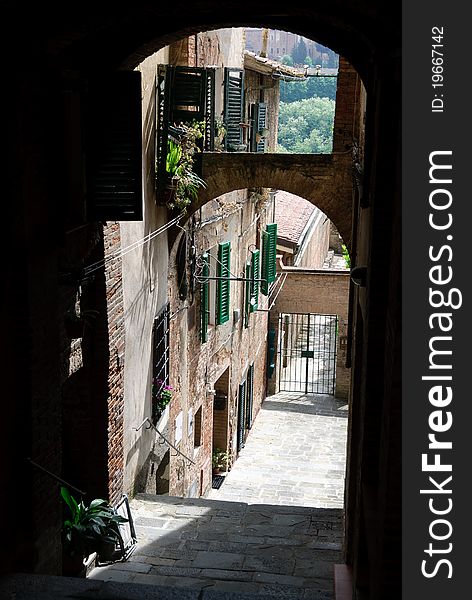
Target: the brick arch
(323, 179)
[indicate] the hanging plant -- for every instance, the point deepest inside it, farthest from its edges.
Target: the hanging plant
(183, 183)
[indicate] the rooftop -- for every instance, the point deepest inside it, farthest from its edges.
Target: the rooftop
(292, 214)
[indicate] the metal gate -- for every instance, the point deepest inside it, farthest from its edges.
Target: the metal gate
(307, 353)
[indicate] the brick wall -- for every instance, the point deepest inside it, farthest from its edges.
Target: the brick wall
(346, 118)
(116, 345)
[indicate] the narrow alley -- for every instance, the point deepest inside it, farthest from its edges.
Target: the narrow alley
(275, 525)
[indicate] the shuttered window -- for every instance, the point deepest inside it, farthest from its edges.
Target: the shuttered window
(249, 395)
(114, 148)
(233, 107)
(223, 283)
(241, 415)
(269, 252)
(259, 119)
(183, 94)
(204, 299)
(254, 302)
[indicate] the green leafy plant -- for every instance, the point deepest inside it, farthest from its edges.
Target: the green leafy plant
(347, 258)
(184, 182)
(90, 527)
(219, 459)
(161, 396)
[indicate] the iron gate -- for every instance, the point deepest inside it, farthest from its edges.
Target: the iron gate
(307, 353)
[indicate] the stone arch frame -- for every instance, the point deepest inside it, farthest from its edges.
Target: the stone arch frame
(367, 35)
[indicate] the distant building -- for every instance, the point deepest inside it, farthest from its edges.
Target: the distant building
(281, 43)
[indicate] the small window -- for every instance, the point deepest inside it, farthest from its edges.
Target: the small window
(197, 428)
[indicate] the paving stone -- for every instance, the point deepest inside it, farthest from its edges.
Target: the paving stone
(274, 529)
(226, 574)
(218, 560)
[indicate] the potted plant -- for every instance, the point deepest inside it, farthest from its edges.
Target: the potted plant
(183, 183)
(161, 396)
(89, 528)
(219, 460)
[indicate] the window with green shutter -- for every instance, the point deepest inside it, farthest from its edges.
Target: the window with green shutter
(234, 107)
(205, 301)
(254, 273)
(247, 294)
(249, 395)
(241, 415)
(113, 135)
(223, 283)
(269, 253)
(259, 120)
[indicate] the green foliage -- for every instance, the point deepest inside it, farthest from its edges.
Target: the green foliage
(287, 60)
(89, 526)
(347, 258)
(308, 61)
(299, 52)
(219, 459)
(184, 182)
(173, 159)
(322, 87)
(306, 126)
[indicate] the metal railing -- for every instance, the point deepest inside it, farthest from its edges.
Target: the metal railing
(56, 477)
(151, 425)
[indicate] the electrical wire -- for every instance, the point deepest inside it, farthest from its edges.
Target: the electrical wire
(137, 244)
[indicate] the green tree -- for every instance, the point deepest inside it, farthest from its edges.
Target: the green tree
(323, 87)
(299, 52)
(308, 61)
(287, 60)
(306, 126)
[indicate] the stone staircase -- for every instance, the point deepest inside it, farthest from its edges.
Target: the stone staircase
(255, 550)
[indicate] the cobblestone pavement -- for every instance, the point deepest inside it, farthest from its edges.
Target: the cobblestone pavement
(275, 526)
(295, 454)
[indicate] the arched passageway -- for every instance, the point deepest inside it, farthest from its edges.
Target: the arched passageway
(66, 53)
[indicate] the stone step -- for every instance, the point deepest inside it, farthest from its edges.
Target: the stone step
(21, 586)
(232, 547)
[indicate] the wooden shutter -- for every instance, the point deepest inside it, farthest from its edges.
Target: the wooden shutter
(254, 284)
(261, 124)
(249, 395)
(269, 253)
(234, 106)
(247, 294)
(241, 415)
(259, 121)
(223, 284)
(205, 298)
(114, 148)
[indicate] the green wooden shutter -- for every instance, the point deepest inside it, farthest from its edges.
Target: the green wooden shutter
(254, 284)
(234, 106)
(114, 148)
(247, 294)
(269, 253)
(241, 415)
(223, 284)
(205, 298)
(261, 121)
(249, 395)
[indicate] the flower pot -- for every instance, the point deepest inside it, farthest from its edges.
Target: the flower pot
(73, 565)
